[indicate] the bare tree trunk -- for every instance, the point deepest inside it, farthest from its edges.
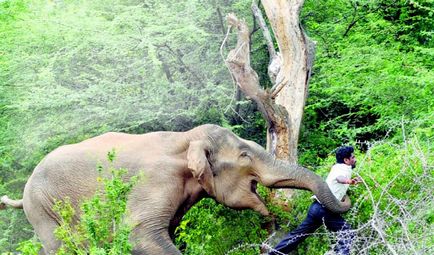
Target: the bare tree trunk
(289, 69)
(296, 59)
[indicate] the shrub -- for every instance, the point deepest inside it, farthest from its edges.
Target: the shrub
(211, 228)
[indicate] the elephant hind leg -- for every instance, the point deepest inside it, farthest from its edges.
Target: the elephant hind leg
(45, 232)
(44, 223)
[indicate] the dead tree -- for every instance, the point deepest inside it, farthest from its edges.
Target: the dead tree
(289, 69)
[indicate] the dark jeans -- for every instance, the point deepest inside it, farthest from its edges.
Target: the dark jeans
(316, 216)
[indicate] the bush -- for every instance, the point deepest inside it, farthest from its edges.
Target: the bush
(211, 228)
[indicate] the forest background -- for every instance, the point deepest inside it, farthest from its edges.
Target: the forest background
(71, 69)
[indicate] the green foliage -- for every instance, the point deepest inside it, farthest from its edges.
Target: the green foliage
(29, 247)
(102, 228)
(413, 20)
(15, 229)
(211, 228)
(367, 81)
(255, 130)
(397, 180)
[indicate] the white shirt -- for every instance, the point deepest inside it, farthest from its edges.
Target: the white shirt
(339, 189)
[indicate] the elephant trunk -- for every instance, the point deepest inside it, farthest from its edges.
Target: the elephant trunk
(281, 174)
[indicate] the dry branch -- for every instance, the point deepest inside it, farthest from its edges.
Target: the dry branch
(266, 32)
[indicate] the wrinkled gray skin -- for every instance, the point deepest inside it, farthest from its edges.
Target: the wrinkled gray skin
(179, 169)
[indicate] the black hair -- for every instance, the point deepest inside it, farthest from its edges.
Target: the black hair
(344, 152)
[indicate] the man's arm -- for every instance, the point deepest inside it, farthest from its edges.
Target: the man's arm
(344, 180)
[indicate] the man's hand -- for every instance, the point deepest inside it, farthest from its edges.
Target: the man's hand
(354, 181)
(345, 180)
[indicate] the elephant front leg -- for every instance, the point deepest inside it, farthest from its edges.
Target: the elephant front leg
(153, 242)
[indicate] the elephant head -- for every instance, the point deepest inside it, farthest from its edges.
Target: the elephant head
(229, 169)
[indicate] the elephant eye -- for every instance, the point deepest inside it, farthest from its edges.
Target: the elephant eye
(244, 154)
(245, 158)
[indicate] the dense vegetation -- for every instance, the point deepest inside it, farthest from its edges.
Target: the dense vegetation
(74, 69)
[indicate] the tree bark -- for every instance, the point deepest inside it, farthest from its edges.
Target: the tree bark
(289, 69)
(296, 59)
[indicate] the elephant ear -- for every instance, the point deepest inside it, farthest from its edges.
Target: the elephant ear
(199, 165)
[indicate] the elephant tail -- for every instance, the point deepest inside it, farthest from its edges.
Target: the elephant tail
(6, 201)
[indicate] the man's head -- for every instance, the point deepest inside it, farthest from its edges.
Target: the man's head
(345, 155)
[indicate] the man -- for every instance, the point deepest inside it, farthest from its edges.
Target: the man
(338, 181)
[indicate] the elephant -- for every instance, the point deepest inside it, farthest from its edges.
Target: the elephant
(179, 168)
